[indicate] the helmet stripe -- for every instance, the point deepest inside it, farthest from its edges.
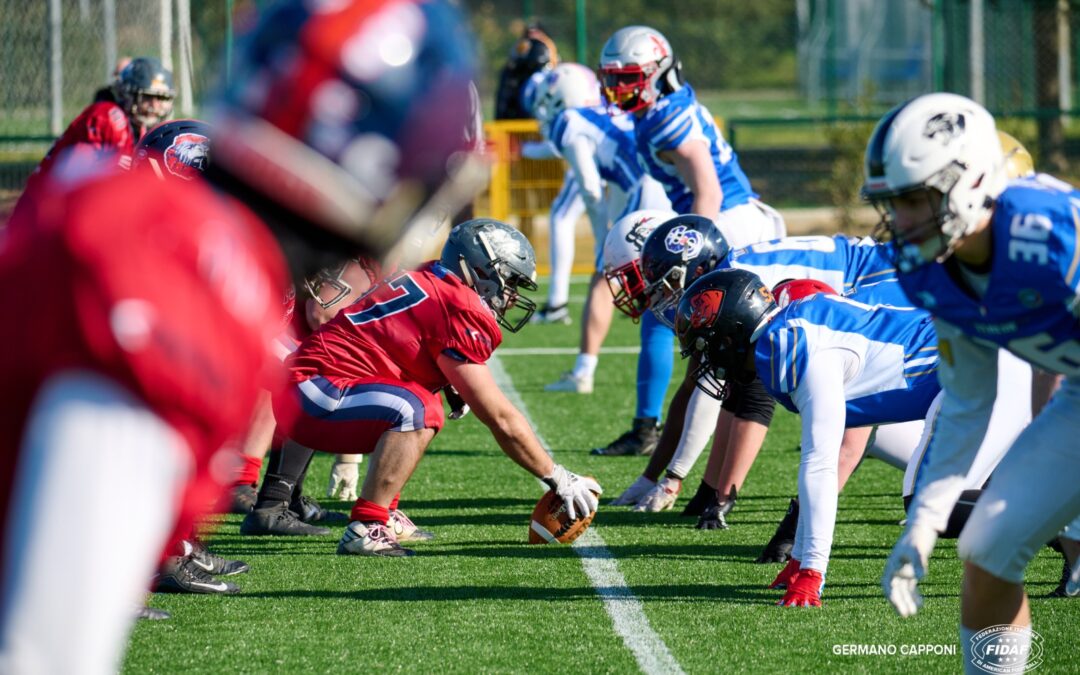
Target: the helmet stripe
(875, 152)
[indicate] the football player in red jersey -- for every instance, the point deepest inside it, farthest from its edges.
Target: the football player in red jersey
(142, 96)
(368, 382)
(130, 383)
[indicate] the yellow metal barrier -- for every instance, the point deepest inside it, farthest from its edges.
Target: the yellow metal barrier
(520, 187)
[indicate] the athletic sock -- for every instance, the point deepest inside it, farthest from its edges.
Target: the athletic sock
(248, 473)
(654, 366)
(369, 512)
(285, 476)
(585, 365)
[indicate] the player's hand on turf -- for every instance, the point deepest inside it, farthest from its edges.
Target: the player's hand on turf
(638, 489)
(906, 567)
(344, 476)
(712, 518)
(576, 491)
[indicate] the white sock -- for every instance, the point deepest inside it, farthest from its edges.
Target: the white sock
(585, 365)
(1019, 642)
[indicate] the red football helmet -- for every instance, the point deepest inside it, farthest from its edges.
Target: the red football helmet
(790, 290)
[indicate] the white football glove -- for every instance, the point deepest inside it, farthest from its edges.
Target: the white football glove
(661, 497)
(1072, 588)
(638, 489)
(344, 475)
(906, 566)
(458, 407)
(576, 491)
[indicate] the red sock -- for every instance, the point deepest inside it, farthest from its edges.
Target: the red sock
(368, 512)
(249, 471)
(393, 504)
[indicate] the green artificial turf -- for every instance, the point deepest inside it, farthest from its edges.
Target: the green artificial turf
(478, 599)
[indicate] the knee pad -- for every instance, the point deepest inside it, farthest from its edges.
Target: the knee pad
(751, 402)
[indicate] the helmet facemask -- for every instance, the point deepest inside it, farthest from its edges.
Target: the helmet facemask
(627, 286)
(498, 283)
(665, 293)
(631, 87)
(332, 277)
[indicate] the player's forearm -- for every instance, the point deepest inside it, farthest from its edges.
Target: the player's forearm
(518, 442)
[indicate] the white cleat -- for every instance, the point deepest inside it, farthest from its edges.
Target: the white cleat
(572, 384)
(405, 529)
(370, 539)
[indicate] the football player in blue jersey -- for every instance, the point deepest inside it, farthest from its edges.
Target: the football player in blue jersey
(837, 362)
(996, 263)
(600, 151)
(677, 138)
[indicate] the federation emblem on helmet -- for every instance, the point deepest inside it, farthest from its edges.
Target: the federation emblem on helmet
(684, 241)
(706, 307)
(187, 155)
(945, 127)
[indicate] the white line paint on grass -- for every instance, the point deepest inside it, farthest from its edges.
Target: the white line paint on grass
(625, 609)
(562, 351)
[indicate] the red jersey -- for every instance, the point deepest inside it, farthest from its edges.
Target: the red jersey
(165, 287)
(398, 329)
(102, 130)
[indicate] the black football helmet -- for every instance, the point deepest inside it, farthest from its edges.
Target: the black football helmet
(674, 255)
(497, 262)
(144, 89)
(180, 149)
(718, 320)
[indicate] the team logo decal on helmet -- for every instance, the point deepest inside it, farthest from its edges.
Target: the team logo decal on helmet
(706, 307)
(187, 155)
(683, 240)
(945, 127)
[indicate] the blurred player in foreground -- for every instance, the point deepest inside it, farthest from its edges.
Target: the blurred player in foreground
(145, 364)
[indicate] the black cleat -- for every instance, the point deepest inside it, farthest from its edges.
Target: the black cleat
(214, 564)
(704, 498)
(641, 440)
(1066, 572)
(152, 614)
(242, 499)
(279, 520)
(180, 574)
(778, 550)
(310, 511)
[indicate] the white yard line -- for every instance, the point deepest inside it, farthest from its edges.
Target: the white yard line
(624, 608)
(560, 351)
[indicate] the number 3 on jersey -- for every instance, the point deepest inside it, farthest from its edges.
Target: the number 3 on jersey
(406, 294)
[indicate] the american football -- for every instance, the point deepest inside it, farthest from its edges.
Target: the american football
(551, 524)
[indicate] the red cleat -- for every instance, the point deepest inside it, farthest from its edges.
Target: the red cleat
(783, 580)
(804, 590)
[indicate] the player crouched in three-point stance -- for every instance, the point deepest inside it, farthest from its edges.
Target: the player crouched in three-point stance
(996, 264)
(837, 362)
(368, 381)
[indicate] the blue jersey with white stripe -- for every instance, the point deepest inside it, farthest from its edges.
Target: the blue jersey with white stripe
(896, 349)
(674, 120)
(1031, 304)
(844, 263)
(888, 292)
(612, 136)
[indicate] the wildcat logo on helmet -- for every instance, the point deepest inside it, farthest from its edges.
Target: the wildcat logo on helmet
(706, 307)
(945, 127)
(187, 155)
(684, 240)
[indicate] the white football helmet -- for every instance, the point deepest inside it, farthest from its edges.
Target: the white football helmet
(637, 67)
(568, 85)
(622, 258)
(946, 144)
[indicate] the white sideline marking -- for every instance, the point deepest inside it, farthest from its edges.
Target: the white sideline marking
(561, 351)
(626, 611)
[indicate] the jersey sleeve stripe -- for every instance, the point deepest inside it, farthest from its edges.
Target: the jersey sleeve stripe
(675, 136)
(1070, 277)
